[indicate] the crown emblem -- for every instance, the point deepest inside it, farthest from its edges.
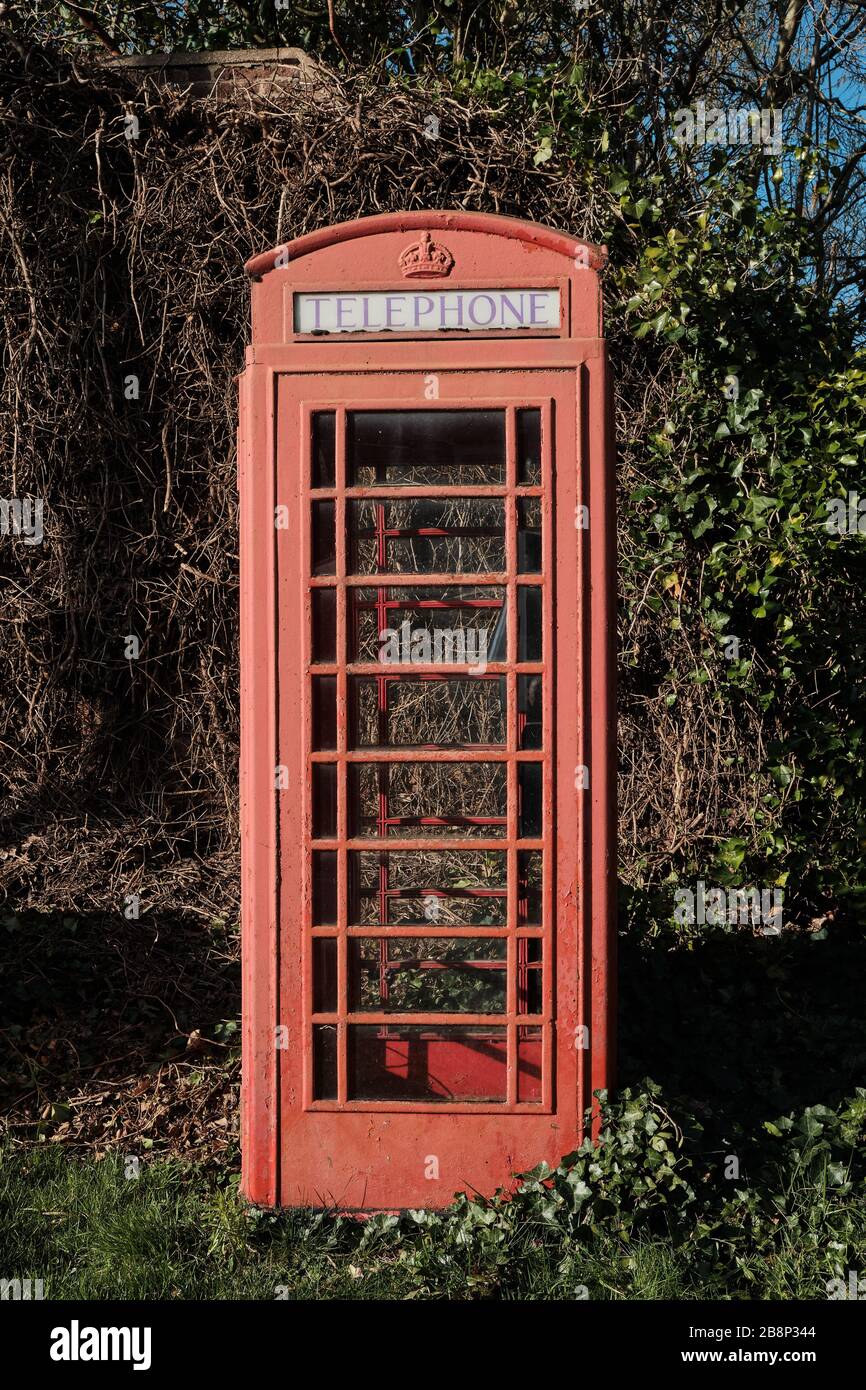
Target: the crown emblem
(426, 257)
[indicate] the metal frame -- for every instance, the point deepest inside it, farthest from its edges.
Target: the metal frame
(343, 669)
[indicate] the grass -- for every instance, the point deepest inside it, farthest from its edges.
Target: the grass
(172, 1233)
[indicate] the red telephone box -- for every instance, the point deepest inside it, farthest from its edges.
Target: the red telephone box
(427, 771)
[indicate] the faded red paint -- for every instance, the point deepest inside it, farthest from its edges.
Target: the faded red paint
(377, 1153)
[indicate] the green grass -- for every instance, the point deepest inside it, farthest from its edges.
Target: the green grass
(92, 1233)
(645, 1216)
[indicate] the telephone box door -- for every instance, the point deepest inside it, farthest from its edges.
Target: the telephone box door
(435, 833)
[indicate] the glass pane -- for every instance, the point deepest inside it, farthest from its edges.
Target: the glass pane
(324, 801)
(429, 975)
(434, 448)
(325, 975)
(324, 624)
(324, 1062)
(419, 1063)
(324, 449)
(461, 625)
(426, 535)
(529, 991)
(529, 887)
(529, 778)
(529, 712)
(324, 713)
(325, 888)
(529, 622)
(529, 535)
(529, 1062)
(412, 800)
(324, 554)
(450, 888)
(432, 713)
(529, 447)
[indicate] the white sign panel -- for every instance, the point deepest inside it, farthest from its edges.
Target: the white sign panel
(426, 311)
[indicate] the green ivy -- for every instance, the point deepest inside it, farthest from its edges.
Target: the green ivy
(648, 1183)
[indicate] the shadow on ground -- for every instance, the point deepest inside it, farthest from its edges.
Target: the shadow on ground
(116, 1032)
(741, 1027)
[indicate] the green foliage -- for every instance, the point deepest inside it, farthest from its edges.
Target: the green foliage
(650, 1212)
(648, 1196)
(756, 425)
(430, 36)
(765, 426)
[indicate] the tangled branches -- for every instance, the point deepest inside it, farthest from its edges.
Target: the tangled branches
(126, 215)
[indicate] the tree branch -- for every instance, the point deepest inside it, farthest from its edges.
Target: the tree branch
(90, 22)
